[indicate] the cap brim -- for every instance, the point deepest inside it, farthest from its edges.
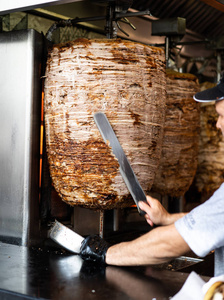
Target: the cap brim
(213, 94)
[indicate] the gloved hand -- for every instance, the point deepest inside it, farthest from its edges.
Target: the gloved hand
(94, 249)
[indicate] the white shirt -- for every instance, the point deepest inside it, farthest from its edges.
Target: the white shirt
(203, 229)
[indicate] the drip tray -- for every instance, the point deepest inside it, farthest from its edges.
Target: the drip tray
(179, 263)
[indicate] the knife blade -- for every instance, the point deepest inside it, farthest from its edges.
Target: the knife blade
(126, 170)
(66, 237)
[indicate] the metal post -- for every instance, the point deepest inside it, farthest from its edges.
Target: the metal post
(219, 64)
(116, 219)
(101, 228)
(167, 49)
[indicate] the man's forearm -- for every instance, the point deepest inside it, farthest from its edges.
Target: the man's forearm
(157, 246)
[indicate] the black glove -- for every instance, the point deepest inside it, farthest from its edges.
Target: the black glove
(94, 249)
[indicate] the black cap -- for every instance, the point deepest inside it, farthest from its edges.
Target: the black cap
(214, 94)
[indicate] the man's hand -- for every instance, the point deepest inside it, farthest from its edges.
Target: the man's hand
(94, 249)
(155, 212)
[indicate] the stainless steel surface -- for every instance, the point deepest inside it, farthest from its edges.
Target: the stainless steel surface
(17, 265)
(126, 171)
(20, 85)
(66, 237)
(21, 5)
(48, 274)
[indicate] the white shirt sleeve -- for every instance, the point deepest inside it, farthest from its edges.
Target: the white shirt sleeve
(203, 227)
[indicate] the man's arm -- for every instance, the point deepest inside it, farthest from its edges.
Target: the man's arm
(157, 246)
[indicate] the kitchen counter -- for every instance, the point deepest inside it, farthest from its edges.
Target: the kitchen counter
(39, 273)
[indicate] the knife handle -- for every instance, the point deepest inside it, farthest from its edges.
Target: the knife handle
(142, 212)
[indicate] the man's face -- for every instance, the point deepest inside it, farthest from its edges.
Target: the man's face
(220, 110)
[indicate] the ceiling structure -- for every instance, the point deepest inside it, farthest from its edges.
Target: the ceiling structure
(202, 48)
(206, 19)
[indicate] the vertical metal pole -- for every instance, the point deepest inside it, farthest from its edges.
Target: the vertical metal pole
(110, 28)
(167, 49)
(218, 67)
(116, 219)
(101, 229)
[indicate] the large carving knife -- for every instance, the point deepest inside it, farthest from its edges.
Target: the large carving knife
(126, 171)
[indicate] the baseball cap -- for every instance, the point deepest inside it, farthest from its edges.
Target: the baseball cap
(213, 94)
